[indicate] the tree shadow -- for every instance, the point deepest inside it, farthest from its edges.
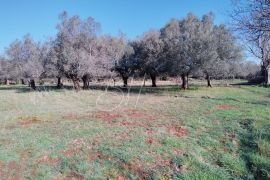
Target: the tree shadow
(15, 88)
(27, 89)
(120, 89)
(141, 89)
(248, 83)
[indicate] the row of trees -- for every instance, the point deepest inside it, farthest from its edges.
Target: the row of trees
(184, 47)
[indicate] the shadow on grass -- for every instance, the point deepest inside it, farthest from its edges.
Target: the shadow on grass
(130, 89)
(15, 88)
(26, 89)
(247, 83)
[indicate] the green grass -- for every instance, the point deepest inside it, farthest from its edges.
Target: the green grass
(163, 133)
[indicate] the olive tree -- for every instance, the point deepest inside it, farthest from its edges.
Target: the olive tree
(113, 52)
(193, 45)
(4, 71)
(252, 19)
(125, 66)
(206, 47)
(148, 50)
(71, 46)
(182, 46)
(14, 54)
(26, 57)
(220, 53)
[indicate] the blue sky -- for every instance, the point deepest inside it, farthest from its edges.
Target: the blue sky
(133, 17)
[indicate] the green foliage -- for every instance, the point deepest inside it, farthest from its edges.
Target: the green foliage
(234, 165)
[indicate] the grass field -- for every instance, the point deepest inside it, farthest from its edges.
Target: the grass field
(164, 133)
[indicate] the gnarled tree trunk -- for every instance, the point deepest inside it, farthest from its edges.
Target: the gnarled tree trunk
(184, 79)
(33, 84)
(86, 81)
(22, 81)
(154, 80)
(59, 83)
(267, 75)
(144, 79)
(125, 80)
(208, 80)
(6, 82)
(76, 84)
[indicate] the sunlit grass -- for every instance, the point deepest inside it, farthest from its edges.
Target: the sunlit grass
(204, 133)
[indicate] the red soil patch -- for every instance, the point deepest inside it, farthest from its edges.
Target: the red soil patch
(30, 121)
(71, 117)
(133, 113)
(25, 122)
(103, 115)
(75, 147)
(111, 116)
(70, 152)
(224, 107)
(100, 155)
(70, 176)
(74, 175)
(10, 171)
(137, 168)
(47, 160)
(178, 152)
(135, 124)
(25, 154)
(150, 132)
(77, 142)
(106, 116)
(160, 162)
(149, 141)
(44, 160)
(91, 157)
(97, 155)
(138, 114)
(122, 136)
(178, 131)
(1, 169)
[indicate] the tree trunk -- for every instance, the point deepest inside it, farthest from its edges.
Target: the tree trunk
(184, 79)
(154, 80)
(266, 75)
(85, 84)
(187, 79)
(33, 84)
(86, 80)
(144, 79)
(125, 80)
(6, 82)
(22, 81)
(59, 83)
(76, 84)
(208, 80)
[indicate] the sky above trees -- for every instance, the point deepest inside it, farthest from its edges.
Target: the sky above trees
(39, 18)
